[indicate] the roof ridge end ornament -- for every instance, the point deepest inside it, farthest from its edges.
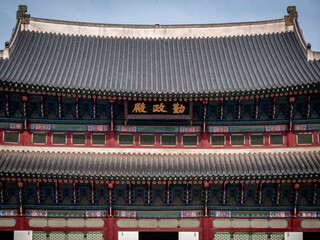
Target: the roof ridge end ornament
(293, 14)
(21, 13)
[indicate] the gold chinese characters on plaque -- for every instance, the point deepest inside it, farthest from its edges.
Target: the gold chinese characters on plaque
(174, 109)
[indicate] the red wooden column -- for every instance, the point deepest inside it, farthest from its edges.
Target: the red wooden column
(256, 108)
(110, 187)
(111, 113)
(7, 104)
(24, 99)
(221, 108)
(239, 108)
(206, 234)
(291, 101)
(206, 185)
(296, 189)
(20, 186)
(204, 137)
(110, 230)
(21, 224)
(291, 140)
(205, 103)
(206, 222)
(295, 225)
(112, 131)
(274, 107)
(94, 110)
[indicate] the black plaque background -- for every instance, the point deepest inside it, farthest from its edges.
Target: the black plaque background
(149, 108)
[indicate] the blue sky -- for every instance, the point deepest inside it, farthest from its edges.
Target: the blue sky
(169, 12)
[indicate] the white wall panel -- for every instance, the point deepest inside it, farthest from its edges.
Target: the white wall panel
(188, 236)
(293, 236)
(22, 235)
(128, 235)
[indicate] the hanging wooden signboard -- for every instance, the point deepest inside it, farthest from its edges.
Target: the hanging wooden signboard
(158, 110)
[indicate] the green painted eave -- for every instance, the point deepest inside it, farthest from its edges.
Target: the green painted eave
(38, 89)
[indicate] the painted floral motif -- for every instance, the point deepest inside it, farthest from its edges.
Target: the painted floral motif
(96, 214)
(37, 213)
(41, 127)
(126, 214)
(301, 127)
(221, 214)
(97, 128)
(15, 126)
(275, 128)
(189, 129)
(190, 214)
(6, 213)
(308, 214)
(121, 128)
(218, 129)
(278, 214)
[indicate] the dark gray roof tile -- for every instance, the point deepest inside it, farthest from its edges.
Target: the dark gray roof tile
(144, 165)
(159, 65)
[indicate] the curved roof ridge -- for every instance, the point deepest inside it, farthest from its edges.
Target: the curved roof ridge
(67, 22)
(306, 47)
(58, 34)
(155, 31)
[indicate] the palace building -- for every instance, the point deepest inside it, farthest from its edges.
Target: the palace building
(127, 132)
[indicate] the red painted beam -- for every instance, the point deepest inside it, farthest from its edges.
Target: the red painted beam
(204, 141)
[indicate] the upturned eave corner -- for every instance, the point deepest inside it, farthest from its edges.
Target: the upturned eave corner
(21, 14)
(292, 24)
(22, 18)
(5, 53)
(293, 14)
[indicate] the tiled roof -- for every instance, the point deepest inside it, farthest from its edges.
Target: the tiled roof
(202, 65)
(170, 165)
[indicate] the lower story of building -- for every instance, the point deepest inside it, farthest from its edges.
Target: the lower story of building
(124, 225)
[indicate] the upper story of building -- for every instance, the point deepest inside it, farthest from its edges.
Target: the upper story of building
(213, 86)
